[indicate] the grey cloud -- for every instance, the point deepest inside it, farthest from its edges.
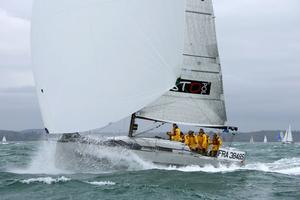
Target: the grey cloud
(19, 111)
(18, 8)
(20, 90)
(259, 48)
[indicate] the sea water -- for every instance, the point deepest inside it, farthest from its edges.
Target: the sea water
(28, 171)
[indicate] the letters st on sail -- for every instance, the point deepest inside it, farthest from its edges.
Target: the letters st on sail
(192, 87)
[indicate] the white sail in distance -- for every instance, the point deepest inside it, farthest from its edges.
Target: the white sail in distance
(4, 139)
(265, 139)
(288, 137)
(96, 62)
(198, 97)
(251, 140)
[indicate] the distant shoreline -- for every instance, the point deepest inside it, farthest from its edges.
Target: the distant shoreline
(40, 134)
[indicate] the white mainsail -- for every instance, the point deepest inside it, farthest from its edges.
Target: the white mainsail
(251, 140)
(96, 62)
(3, 139)
(198, 98)
(265, 139)
(288, 136)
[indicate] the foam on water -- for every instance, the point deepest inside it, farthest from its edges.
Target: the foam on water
(91, 158)
(207, 168)
(43, 161)
(101, 183)
(45, 180)
(288, 166)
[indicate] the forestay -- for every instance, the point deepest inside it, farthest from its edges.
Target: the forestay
(198, 97)
(97, 61)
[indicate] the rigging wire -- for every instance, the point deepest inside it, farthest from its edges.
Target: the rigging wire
(151, 129)
(231, 139)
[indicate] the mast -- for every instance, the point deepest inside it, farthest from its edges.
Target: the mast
(132, 126)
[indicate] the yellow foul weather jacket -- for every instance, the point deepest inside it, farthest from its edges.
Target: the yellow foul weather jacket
(205, 143)
(176, 136)
(190, 140)
(217, 142)
(199, 139)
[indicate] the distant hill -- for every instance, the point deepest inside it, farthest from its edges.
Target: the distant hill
(39, 134)
(26, 135)
(258, 136)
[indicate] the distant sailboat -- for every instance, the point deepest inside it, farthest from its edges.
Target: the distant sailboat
(265, 139)
(288, 136)
(280, 136)
(251, 140)
(4, 140)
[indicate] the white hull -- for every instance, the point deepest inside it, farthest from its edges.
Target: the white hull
(156, 151)
(287, 142)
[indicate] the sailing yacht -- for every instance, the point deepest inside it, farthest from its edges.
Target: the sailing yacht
(251, 140)
(288, 136)
(280, 136)
(98, 62)
(4, 140)
(265, 139)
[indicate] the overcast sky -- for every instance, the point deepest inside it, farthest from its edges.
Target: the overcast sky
(259, 43)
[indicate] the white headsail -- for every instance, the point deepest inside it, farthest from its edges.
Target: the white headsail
(96, 62)
(251, 140)
(288, 137)
(265, 139)
(198, 97)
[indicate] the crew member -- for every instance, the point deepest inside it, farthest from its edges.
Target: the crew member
(207, 144)
(175, 134)
(216, 142)
(190, 141)
(200, 139)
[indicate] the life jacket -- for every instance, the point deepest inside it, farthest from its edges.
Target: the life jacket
(204, 143)
(176, 136)
(199, 139)
(190, 140)
(217, 142)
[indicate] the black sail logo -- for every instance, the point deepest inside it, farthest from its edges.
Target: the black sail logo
(192, 87)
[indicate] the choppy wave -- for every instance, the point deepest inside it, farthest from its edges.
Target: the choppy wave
(101, 183)
(207, 168)
(288, 166)
(45, 180)
(91, 159)
(43, 161)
